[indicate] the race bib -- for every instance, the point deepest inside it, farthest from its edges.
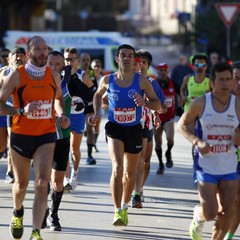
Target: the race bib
(125, 115)
(44, 112)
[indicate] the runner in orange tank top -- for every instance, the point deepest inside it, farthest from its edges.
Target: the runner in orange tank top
(37, 100)
(41, 92)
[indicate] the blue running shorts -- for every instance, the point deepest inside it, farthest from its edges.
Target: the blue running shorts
(77, 123)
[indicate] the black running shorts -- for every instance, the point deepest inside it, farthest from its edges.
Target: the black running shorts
(26, 145)
(131, 136)
(89, 109)
(61, 154)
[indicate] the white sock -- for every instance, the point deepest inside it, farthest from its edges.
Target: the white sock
(117, 209)
(125, 205)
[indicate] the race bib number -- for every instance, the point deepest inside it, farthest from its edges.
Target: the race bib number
(221, 148)
(44, 112)
(220, 143)
(125, 115)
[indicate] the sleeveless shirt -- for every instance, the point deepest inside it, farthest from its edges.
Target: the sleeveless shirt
(196, 89)
(169, 93)
(43, 91)
(64, 132)
(218, 129)
(122, 108)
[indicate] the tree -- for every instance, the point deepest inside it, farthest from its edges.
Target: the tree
(211, 31)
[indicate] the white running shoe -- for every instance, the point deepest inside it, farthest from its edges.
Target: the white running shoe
(73, 181)
(66, 185)
(9, 177)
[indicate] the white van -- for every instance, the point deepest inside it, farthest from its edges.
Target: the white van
(101, 45)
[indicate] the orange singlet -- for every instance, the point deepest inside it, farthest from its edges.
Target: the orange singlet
(43, 91)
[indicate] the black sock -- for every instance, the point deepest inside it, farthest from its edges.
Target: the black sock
(18, 213)
(159, 155)
(89, 149)
(56, 200)
(169, 148)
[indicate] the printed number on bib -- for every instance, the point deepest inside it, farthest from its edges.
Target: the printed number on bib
(44, 111)
(125, 115)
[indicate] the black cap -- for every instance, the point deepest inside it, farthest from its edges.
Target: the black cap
(18, 50)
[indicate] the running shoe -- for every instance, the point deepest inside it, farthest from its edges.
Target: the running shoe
(66, 185)
(169, 162)
(195, 230)
(53, 222)
(9, 177)
(160, 169)
(44, 223)
(73, 181)
(16, 227)
(196, 227)
(136, 201)
(118, 218)
(91, 161)
(125, 216)
(35, 235)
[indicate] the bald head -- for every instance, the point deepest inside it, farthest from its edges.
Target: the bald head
(37, 51)
(85, 61)
(34, 40)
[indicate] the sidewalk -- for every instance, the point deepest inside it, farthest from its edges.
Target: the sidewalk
(87, 212)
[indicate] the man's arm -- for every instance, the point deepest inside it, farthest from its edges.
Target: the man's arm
(189, 117)
(59, 103)
(97, 99)
(183, 90)
(3, 76)
(8, 86)
(153, 101)
(77, 88)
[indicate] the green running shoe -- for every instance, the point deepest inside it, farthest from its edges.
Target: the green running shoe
(16, 227)
(35, 235)
(118, 218)
(195, 230)
(125, 216)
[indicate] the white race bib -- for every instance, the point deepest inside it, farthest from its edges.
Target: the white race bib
(125, 115)
(44, 112)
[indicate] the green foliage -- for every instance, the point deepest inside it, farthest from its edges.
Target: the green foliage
(209, 25)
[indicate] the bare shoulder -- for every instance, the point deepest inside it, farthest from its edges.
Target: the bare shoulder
(11, 82)
(13, 78)
(105, 79)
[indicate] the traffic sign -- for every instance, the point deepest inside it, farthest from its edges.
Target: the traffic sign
(228, 12)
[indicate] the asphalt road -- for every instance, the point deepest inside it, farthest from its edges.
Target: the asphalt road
(87, 212)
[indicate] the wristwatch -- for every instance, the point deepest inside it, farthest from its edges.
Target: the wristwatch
(21, 111)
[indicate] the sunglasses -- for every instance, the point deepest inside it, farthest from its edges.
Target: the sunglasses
(70, 59)
(200, 65)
